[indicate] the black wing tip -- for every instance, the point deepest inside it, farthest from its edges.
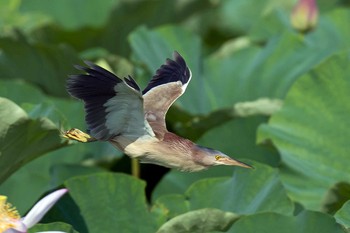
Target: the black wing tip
(186, 70)
(132, 83)
(177, 57)
(172, 70)
(92, 81)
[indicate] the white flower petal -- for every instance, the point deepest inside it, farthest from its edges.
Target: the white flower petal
(40, 208)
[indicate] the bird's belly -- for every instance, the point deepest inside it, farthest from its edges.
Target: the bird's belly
(135, 148)
(151, 150)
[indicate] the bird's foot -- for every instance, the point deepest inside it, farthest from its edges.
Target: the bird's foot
(78, 135)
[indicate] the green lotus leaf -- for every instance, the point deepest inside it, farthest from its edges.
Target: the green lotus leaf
(310, 132)
(202, 220)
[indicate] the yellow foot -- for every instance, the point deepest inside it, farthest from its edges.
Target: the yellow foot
(77, 135)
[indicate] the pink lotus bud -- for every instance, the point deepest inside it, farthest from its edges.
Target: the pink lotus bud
(304, 15)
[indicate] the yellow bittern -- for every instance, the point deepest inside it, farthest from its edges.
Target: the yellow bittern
(132, 120)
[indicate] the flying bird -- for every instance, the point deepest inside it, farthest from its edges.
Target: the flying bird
(133, 121)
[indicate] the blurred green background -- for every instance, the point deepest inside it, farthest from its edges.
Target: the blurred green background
(261, 91)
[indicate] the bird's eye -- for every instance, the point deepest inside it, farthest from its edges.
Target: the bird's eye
(217, 157)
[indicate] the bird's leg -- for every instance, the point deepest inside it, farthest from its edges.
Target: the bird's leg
(78, 135)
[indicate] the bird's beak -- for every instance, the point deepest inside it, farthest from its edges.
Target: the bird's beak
(233, 162)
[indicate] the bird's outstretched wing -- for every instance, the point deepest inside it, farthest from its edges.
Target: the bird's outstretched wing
(113, 106)
(168, 84)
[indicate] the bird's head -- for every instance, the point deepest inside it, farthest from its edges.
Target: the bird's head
(211, 157)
